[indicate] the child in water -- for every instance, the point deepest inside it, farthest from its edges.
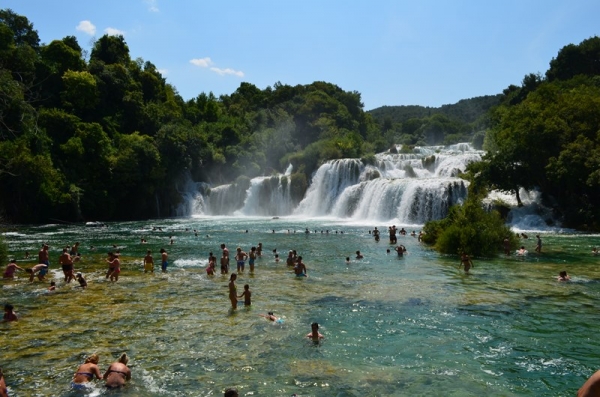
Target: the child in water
(81, 279)
(271, 317)
(247, 294)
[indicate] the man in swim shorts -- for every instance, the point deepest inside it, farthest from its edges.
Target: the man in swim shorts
(300, 268)
(66, 262)
(251, 258)
(164, 257)
(240, 258)
(39, 268)
(114, 266)
(43, 256)
(148, 262)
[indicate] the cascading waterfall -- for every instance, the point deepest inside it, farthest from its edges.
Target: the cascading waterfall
(410, 188)
(268, 196)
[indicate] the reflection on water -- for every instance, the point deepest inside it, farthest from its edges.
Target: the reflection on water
(393, 326)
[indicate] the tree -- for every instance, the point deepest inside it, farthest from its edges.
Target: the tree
(110, 50)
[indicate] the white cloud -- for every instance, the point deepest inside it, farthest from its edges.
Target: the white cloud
(152, 5)
(163, 72)
(86, 27)
(114, 32)
(202, 62)
(226, 71)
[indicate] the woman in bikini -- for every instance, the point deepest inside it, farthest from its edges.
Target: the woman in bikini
(86, 372)
(233, 291)
(117, 373)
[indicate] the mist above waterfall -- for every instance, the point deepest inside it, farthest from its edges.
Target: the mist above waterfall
(408, 188)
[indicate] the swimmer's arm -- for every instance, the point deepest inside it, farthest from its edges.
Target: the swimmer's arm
(97, 372)
(107, 372)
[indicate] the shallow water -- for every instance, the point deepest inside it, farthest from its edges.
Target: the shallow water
(393, 326)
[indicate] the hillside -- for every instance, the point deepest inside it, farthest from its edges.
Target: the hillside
(465, 110)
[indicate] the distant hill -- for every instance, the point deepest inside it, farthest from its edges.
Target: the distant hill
(465, 110)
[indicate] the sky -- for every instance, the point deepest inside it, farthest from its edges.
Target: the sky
(393, 52)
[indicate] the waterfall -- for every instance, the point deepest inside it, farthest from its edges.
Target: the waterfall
(410, 188)
(268, 196)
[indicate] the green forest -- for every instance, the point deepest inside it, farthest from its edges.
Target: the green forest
(100, 136)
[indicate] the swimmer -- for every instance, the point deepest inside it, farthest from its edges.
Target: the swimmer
(37, 269)
(595, 251)
(538, 245)
(314, 334)
(43, 256)
(233, 291)
(11, 268)
(117, 373)
(114, 269)
(300, 268)
(290, 259)
(276, 257)
(9, 313)
(400, 249)
(66, 262)
(240, 258)
(247, 295)
(3, 388)
(259, 249)
(224, 263)
(269, 316)
(231, 392)
(252, 257)
(359, 255)
(81, 280)
(52, 286)
(591, 387)
(164, 260)
(86, 371)
(563, 276)
(148, 262)
(347, 260)
(506, 243)
(522, 251)
(466, 262)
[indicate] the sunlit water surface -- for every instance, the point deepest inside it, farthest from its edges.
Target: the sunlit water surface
(393, 326)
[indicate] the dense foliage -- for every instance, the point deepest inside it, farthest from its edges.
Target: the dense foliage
(108, 138)
(463, 121)
(469, 228)
(546, 135)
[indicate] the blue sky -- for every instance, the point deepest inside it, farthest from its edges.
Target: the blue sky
(398, 52)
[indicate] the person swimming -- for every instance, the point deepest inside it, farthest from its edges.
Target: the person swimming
(85, 372)
(314, 334)
(563, 276)
(117, 373)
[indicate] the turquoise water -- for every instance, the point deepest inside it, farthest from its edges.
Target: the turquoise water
(393, 326)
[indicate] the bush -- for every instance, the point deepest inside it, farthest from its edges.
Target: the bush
(468, 228)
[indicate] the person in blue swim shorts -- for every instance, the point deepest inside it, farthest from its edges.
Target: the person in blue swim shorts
(300, 268)
(240, 258)
(164, 260)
